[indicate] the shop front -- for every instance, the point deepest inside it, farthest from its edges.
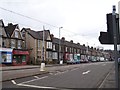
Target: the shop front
(6, 55)
(20, 57)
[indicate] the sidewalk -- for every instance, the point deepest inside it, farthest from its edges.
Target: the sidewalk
(6, 68)
(109, 81)
(15, 72)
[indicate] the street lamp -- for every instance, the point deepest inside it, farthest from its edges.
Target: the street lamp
(59, 42)
(43, 62)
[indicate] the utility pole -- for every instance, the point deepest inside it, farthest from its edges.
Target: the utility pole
(43, 61)
(1, 29)
(115, 46)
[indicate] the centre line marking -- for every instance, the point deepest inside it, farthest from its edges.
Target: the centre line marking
(13, 81)
(86, 72)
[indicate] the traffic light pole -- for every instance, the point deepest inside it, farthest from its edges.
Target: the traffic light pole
(115, 46)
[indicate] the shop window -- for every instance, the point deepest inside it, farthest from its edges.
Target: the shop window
(18, 59)
(23, 58)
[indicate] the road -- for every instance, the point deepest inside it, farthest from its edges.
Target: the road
(88, 75)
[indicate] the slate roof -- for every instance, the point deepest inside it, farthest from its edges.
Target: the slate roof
(55, 40)
(37, 34)
(10, 29)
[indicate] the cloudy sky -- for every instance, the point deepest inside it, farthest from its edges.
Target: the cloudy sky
(82, 20)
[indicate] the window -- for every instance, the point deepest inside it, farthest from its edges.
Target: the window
(55, 55)
(49, 45)
(54, 47)
(16, 34)
(19, 44)
(66, 49)
(3, 43)
(60, 48)
(23, 58)
(78, 50)
(70, 50)
(74, 50)
(38, 43)
(49, 54)
(23, 33)
(12, 43)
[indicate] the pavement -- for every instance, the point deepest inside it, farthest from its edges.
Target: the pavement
(108, 82)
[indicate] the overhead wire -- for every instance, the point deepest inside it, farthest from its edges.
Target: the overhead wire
(37, 20)
(66, 30)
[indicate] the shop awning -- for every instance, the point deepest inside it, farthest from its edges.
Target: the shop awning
(20, 52)
(6, 49)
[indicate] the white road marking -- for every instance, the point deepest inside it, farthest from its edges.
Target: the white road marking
(58, 73)
(86, 72)
(34, 79)
(36, 86)
(44, 87)
(13, 81)
(104, 80)
(74, 69)
(51, 73)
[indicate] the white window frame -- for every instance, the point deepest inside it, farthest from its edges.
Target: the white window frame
(19, 44)
(16, 34)
(66, 49)
(54, 47)
(38, 43)
(49, 45)
(12, 43)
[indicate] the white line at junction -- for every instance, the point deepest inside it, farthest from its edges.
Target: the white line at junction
(13, 81)
(34, 79)
(44, 87)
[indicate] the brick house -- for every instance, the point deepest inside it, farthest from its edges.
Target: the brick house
(34, 42)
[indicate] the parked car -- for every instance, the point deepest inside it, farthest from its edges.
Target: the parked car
(102, 59)
(77, 61)
(71, 61)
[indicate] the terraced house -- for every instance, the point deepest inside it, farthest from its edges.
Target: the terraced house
(34, 42)
(13, 52)
(26, 47)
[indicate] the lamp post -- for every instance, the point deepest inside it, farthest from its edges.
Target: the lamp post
(87, 51)
(59, 43)
(43, 62)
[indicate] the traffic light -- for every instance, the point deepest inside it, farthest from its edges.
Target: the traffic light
(104, 38)
(108, 37)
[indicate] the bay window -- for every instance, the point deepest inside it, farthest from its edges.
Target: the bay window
(49, 45)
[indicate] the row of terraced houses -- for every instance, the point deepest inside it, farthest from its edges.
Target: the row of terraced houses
(20, 47)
